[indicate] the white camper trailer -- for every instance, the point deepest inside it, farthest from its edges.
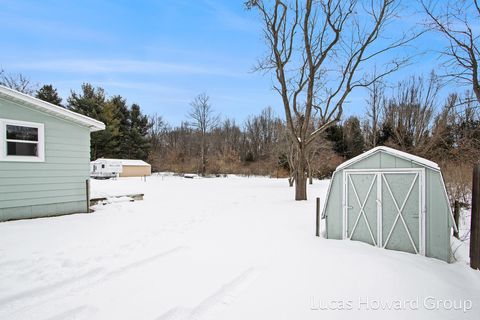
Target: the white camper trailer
(105, 169)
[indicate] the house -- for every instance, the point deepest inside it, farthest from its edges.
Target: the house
(393, 200)
(130, 167)
(44, 157)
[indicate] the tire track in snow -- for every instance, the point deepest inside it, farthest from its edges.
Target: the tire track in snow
(139, 263)
(76, 283)
(75, 313)
(214, 303)
(49, 288)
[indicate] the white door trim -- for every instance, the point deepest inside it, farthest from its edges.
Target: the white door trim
(379, 209)
(400, 211)
(379, 177)
(362, 206)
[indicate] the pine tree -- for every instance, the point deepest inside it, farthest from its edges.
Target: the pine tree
(126, 129)
(354, 141)
(49, 94)
(121, 113)
(347, 138)
(138, 135)
(334, 134)
(91, 102)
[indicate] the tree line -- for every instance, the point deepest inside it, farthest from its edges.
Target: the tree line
(409, 116)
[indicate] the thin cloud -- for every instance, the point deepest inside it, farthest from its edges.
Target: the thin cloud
(123, 66)
(53, 29)
(230, 18)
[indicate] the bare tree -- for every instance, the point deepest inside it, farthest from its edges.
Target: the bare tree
(262, 132)
(457, 21)
(203, 120)
(375, 105)
(456, 136)
(17, 82)
(157, 132)
(408, 116)
(318, 51)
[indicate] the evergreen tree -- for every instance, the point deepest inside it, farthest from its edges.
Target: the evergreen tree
(138, 139)
(121, 114)
(334, 134)
(91, 102)
(353, 138)
(347, 138)
(126, 129)
(49, 94)
(110, 137)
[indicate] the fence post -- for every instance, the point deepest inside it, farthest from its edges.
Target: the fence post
(475, 220)
(87, 186)
(317, 230)
(456, 217)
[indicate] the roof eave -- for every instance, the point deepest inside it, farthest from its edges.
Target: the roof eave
(92, 124)
(427, 163)
(97, 128)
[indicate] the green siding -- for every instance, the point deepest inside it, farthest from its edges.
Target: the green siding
(438, 218)
(45, 210)
(372, 162)
(55, 186)
(333, 207)
(384, 161)
(32, 187)
(387, 160)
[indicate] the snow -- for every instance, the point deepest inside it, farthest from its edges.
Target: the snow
(393, 152)
(461, 247)
(125, 162)
(214, 248)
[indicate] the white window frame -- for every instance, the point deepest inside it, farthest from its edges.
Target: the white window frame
(3, 141)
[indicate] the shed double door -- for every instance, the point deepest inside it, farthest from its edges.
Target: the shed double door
(385, 208)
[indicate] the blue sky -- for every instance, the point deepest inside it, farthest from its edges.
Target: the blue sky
(159, 54)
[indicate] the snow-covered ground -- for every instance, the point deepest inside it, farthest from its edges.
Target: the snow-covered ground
(220, 248)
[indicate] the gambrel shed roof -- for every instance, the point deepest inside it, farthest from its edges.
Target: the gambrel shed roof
(393, 152)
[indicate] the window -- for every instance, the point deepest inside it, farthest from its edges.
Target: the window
(21, 141)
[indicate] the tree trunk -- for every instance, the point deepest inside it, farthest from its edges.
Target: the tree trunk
(456, 217)
(203, 167)
(475, 220)
(300, 176)
(291, 180)
(310, 177)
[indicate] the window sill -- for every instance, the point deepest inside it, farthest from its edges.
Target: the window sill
(21, 159)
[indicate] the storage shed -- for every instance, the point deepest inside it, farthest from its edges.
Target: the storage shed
(390, 199)
(131, 167)
(44, 157)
